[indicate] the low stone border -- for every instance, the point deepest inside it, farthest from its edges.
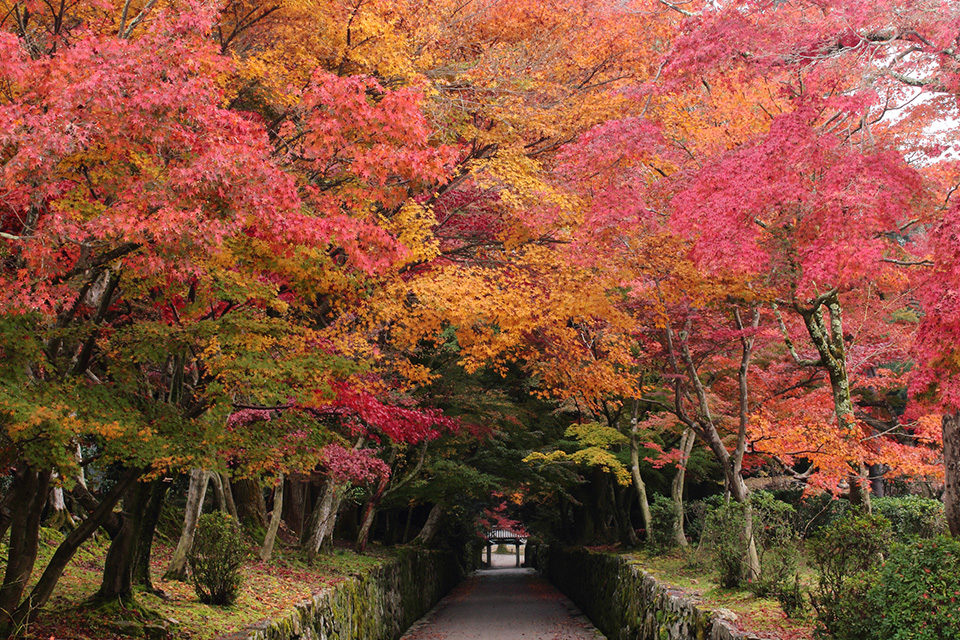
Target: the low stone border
(627, 603)
(378, 605)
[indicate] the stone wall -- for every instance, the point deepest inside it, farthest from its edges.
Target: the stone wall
(378, 605)
(627, 603)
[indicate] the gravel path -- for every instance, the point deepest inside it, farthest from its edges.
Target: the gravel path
(504, 604)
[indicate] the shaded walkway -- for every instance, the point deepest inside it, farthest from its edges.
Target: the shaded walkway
(504, 604)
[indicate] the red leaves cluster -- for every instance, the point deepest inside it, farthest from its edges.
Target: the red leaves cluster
(365, 413)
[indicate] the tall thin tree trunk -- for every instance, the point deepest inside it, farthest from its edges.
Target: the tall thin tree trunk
(828, 339)
(6, 512)
(741, 494)
(228, 496)
(951, 462)
(266, 551)
(676, 488)
(219, 492)
(295, 505)
(61, 517)
(638, 483)
(195, 495)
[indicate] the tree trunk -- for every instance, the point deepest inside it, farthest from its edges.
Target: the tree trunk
(251, 508)
(30, 488)
(877, 485)
(6, 512)
(323, 519)
(128, 558)
(740, 493)
(829, 342)
(65, 551)
(266, 551)
(369, 511)
(219, 492)
(61, 518)
(623, 500)
(117, 580)
(638, 483)
(860, 488)
(430, 527)
(951, 463)
(195, 494)
(143, 543)
(676, 488)
(228, 496)
(295, 505)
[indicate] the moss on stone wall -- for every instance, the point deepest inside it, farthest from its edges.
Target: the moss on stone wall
(627, 603)
(378, 605)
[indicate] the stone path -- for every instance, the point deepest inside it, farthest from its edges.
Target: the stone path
(504, 603)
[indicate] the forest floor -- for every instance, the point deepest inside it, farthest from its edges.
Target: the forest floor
(693, 574)
(268, 589)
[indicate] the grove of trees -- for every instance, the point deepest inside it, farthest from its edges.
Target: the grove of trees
(382, 264)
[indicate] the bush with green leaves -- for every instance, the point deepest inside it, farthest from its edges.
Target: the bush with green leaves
(778, 548)
(813, 512)
(917, 595)
(912, 516)
(218, 553)
(695, 515)
(790, 595)
(847, 555)
(723, 532)
(663, 513)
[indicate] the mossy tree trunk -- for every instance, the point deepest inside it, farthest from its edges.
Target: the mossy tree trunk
(826, 334)
(117, 580)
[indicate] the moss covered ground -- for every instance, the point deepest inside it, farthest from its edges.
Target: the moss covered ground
(269, 589)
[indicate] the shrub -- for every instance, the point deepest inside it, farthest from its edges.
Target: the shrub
(816, 512)
(846, 556)
(918, 592)
(790, 596)
(695, 515)
(663, 511)
(912, 516)
(777, 545)
(216, 557)
(723, 532)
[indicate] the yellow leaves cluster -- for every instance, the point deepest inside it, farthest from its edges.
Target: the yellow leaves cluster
(413, 227)
(595, 441)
